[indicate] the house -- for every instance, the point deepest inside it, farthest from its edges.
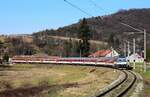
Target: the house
(135, 57)
(105, 53)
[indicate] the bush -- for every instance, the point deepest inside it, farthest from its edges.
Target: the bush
(43, 83)
(6, 85)
(6, 57)
(27, 85)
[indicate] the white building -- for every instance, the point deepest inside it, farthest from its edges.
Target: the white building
(135, 57)
(105, 53)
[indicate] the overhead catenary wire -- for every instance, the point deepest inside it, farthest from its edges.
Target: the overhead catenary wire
(81, 10)
(98, 6)
(131, 43)
(139, 31)
(75, 6)
(100, 18)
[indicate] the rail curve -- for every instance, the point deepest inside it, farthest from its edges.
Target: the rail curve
(121, 88)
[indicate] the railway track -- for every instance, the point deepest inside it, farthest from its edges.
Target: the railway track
(122, 88)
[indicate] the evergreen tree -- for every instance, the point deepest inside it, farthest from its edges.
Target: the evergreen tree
(68, 48)
(6, 57)
(117, 43)
(84, 35)
(111, 40)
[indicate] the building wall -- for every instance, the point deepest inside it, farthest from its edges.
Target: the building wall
(140, 60)
(136, 58)
(112, 54)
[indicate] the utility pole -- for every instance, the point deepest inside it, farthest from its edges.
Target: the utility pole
(80, 53)
(144, 50)
(125, 49)
(128, 49)
(112, 49)
(134, 52)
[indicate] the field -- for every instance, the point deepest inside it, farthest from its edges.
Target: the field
(53, 80)
(146, 77)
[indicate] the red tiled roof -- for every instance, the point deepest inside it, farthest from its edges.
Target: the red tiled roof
(100, 53)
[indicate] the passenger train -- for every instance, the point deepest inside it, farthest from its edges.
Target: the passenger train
(102, 61)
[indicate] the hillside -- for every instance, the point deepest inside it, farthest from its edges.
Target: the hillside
(64, 41)
(51, 45)
(138, 18)
(94, 42)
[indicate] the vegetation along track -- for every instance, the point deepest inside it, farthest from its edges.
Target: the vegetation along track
(122, 88)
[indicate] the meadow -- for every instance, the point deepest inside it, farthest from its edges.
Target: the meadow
(41, 80)
(146, 77)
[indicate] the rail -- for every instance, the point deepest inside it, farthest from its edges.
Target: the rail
(124, 85)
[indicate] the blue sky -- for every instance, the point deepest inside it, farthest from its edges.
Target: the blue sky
(28, 16)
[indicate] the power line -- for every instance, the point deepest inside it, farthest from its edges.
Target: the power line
(132, 43)
(98, 6)
(75, 6)
(99, 18)
(131, 27)
(78, 8)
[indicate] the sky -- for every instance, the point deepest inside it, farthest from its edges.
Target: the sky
(28, 16)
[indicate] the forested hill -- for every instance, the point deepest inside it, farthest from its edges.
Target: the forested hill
(101, 29)
(107, 29)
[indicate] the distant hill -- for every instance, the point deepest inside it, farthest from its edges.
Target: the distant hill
(56, 42)
(101, 29)
(51, 45)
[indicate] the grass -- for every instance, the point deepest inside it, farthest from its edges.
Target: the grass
(53, 80)
(146, 77)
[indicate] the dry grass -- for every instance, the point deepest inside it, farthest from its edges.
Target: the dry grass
(76, 39)
(146, 78)
(54, 80)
